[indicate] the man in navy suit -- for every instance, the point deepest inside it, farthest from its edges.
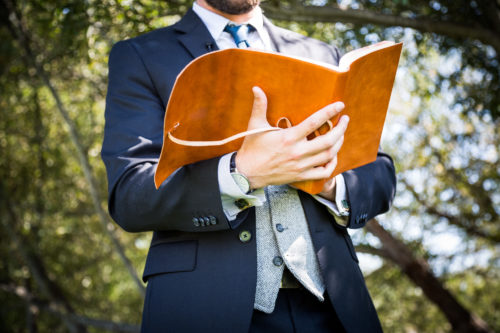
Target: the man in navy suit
(205, 268)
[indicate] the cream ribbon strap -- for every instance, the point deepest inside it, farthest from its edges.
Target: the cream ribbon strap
(220, 142)
(282, 123)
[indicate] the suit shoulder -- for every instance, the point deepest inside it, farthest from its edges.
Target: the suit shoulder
(308, 47)
(292, 35)
(149, 41)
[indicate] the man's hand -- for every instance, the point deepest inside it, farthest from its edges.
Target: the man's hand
(286, 156)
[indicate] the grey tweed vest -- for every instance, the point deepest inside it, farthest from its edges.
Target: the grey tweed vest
(283, 238)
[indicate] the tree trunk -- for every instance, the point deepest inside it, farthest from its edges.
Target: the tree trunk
(32, 301)
(48, 287)
(21, 35)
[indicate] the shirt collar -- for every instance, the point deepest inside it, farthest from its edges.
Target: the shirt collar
(216, 23)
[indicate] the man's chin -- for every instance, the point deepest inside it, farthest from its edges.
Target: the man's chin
(234, 7)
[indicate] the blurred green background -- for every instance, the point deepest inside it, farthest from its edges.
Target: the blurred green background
(431, 264)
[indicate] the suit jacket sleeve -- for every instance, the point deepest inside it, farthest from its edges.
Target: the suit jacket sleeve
(370, 190)
(189, 199)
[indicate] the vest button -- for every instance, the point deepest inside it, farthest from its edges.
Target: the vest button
(245, 236)
(277, 261)
(280, 227)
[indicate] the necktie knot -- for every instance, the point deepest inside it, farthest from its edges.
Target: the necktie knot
(239, 34)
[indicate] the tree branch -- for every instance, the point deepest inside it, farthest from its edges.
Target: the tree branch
(464, 224)
(365, 248)
(492, 12)
(335, 14)
(417, 269)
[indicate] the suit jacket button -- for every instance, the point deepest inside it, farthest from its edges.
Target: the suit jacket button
(213, 220)
(245, 236)
(196, 222)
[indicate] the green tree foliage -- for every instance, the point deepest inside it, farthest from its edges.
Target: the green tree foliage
(442, 130)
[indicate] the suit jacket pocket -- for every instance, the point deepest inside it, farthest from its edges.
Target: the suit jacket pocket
(171, 257)
(350, 245)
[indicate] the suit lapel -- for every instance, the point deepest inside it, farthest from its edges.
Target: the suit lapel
(194, 36)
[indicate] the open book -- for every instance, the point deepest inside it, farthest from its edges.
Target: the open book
(212, 101)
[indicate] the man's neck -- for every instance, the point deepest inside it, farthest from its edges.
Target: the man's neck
(240, 18)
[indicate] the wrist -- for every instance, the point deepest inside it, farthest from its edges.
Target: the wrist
(243, 169)
(329, 190)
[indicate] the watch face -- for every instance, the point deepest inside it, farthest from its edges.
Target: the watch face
(241, 181)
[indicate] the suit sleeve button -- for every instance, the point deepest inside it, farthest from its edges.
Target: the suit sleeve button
(245, 236)
(213, 220)
(196, 222)
(206, 220)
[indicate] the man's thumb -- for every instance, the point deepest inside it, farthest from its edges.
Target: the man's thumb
(258, 118)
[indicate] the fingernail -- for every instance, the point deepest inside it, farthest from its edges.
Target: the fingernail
(339, 106)
(346, 121)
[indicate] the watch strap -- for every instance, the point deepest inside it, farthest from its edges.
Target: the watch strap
(232, 163)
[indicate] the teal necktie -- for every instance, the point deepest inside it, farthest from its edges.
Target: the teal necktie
(239, 34)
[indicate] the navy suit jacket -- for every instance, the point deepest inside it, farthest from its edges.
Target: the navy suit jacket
(204, 277)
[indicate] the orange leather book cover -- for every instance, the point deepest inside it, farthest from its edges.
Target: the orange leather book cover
(212, 100)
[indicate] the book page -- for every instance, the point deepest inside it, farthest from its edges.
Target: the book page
(346, 60)
(350, 57)
(319, 63)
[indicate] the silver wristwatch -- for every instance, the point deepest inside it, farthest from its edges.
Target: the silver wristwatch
(239, 179)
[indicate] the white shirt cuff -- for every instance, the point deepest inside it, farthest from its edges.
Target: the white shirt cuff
(230, 191)
(340, 208)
